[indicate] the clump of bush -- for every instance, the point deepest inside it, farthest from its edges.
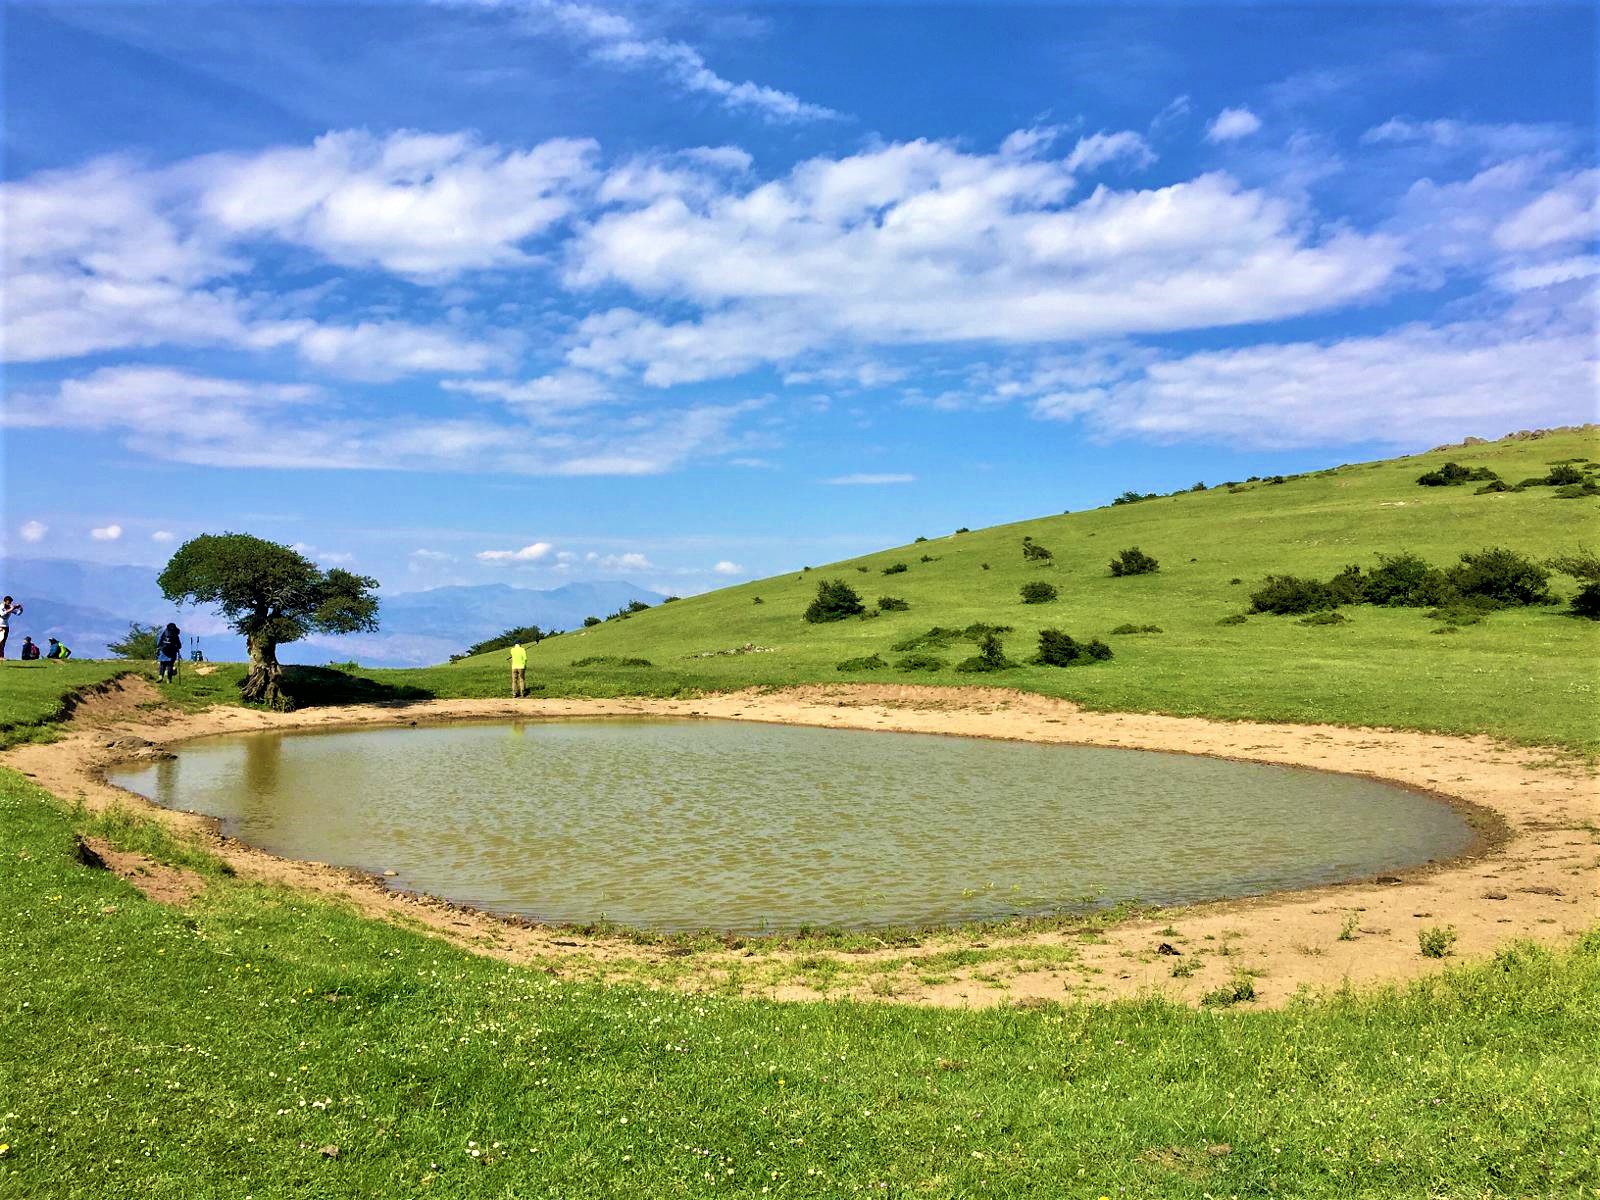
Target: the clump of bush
(1326, 617)
(1436, 941)
(1133, 561)
(1132, 497)
(757, 600)
(942, 637)
(1500, 575)
(835, 601)
(1584, 566)
(590, 622)
(896, 569)
(870, 662)
(927, 558)
(892, 604)
(1494, 485)
(991, 656)
(611, 660)
(1577, 491)
(1283, 595)
(1131, 628)
(1563, 474)
(1032, 551)
(1587, 602)
(920, 662)
(979, 630)
(1493, 577)
(1038, 592)
(1242, 988)
(1454, 474)
(1058, 649)
(864, 570)
(1403, 580)
(1233, 619)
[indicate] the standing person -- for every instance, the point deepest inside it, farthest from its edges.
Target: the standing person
(519, 667)
(58, 651)
(168, 646)
(6, 609)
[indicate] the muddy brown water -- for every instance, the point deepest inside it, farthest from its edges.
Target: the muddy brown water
(671, 824)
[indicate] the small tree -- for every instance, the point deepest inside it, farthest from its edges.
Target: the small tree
(139, 642)
(835, 601)
(1032, 551)
(270, 594)
(1500, 575)
(1133, 561)
(1038, 592)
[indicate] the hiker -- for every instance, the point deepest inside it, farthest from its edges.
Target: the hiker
(30, 649)
(519, 666)
(168, 646)
(58, 651)
(6, 609)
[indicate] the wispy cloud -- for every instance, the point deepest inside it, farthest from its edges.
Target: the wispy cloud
(869, 479)
(533, 552)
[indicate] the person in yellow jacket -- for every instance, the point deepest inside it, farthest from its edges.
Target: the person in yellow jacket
(519, 667)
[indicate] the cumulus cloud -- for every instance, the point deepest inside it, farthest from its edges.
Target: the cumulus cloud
(630, 561)
(727, 568)
(163, 536)
(533, 552)
(106, 533)
(869, 480)
(33, 531)
(1231, 124)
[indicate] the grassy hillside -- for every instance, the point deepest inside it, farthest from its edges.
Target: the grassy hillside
(1526, 674)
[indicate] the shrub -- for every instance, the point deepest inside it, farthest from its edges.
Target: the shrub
(1136, 629)
(1133, 561)
(864, 570)
(979, 630)
(1058, 649)
(1563, 473)
(984, 566)
(991, 656)
(1348, 586)
(1287, 594)
(835, 601)
(611, 660)
(1233, 619)
(963, 529)
(920, 539)
(1452, 474)
(1241, 988)
(140, 642)
(590, 622)
(1456, 615)
(1500, 575)
(1032, 551)
(1406, 580)
(927, 558)
(1577, 491)
(938, 637)
(1235, 581)
(527, 634)
(1494, 485)
(892, 604)
(871, 662)
(1587, 602)
(1326, 617)
(1038, 592)
(1436, 941)
(1131, 497)
(757, 600)
(920, 662)
(898, 568)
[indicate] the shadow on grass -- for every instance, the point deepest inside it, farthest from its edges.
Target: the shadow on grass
(316, 687)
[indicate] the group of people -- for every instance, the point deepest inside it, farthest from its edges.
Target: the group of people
(169, 643)
(30, 649)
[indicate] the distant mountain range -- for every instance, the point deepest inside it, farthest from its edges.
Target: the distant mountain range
(87, 605)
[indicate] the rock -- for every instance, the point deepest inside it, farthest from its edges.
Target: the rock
(329, 1152)
(1389, 879)
(1540, 890)
(390, 874)
(1494, 895)
(1167, 948)
(88, 855)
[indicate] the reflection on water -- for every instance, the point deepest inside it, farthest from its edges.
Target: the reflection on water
(698, 824)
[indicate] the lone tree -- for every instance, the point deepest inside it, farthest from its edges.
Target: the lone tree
(270, 594)
(139, 642)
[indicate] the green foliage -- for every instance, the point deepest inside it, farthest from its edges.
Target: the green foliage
(1405, 580)
(991, 656)
(892, 604)
(1325, 617)
(1033, 552)
(1133, 561)
(590, 622)
(1587, 602)
(610, 660)
(1288, 594)
(920, 662)
(835, 600)
(1058, 649)
(1493, 486)
(1238, 990)
(1128, 627)
(1577, 491)
(1452, 474)
(1563, 474)
(870, 662)
(1132, 497)
(627, 610)
(530, 635)
(1500, 575)
(928, 558)
(138, 643)
(1436, 941)
(1038, 592)
(1233, 619)
(896, 569)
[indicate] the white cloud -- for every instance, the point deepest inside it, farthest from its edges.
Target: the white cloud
(163, 536)
(618, 39)
(1493, 141)
(869, 480)
(380, 350)
(106, 533)
(534, 552)
(631, 561)
(1100, 148)
(33, 531)
(1568, 212)
(1232, 124)
(727, 568)
(425, 555)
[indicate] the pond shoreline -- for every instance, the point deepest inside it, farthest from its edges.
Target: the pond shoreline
(1531, 871)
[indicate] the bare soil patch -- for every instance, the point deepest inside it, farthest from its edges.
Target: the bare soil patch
(159, 881)
(1535, 872)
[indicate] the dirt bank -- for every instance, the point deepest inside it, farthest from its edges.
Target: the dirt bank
(1534, 873)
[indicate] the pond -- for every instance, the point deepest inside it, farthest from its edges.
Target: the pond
(676, 825)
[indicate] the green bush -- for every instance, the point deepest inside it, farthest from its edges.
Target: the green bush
(1452, 474)
(937, 637)
(1325, 617)
(1242, 988)
(1058, 649)
(1038, 592)
(1587, 602)
(896, 569)
(920, 662)
(1577, 491)
(1290, 594)
(1032, 551)
(871, 662)
(611, 660)
(140, 643)
(978, 630)
(1133, 561)
(1130, 628)
(757, 600)
(527, 634)
(1494, 485)
(835, 601)
(590, 622)
(991, 656)
(1406, 580)
(1436, 941)
(927, 558)
(1233, 619)
(1562, 474)
(892, 604)
(1500, 575)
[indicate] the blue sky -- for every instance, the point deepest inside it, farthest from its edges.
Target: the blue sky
(505, 290)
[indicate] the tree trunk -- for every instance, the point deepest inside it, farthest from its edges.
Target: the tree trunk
(261, 684)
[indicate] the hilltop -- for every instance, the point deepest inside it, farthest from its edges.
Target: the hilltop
(1526, 674)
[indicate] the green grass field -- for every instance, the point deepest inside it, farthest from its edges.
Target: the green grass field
(218, 1050)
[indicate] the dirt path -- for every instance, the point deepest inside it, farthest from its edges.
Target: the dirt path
(1534, 874)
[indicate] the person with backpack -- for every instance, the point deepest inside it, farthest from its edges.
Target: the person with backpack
(168, 646)
(58, 651)
(30, 649)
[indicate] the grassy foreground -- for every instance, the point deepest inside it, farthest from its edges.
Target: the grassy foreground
(225, 1049)
(1530, 675)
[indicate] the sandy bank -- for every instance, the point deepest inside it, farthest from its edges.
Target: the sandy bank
(1534, 873)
